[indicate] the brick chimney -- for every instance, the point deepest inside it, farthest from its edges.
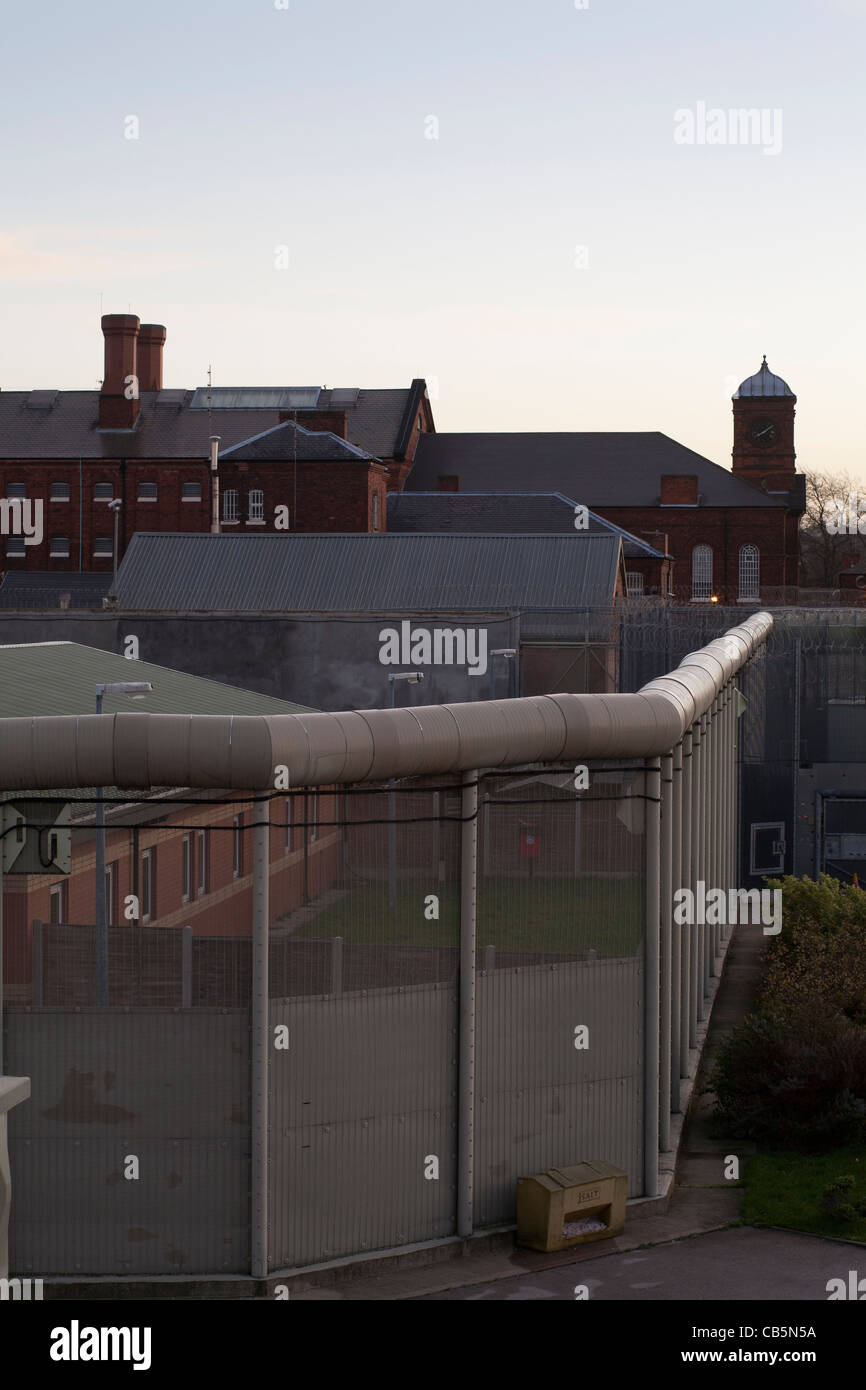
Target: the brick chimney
(679, 490)
(151, 338)
(118, 401)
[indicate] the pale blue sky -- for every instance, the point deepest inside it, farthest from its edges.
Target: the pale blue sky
(451, 258)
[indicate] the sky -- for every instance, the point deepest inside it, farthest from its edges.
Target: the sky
(543, 208)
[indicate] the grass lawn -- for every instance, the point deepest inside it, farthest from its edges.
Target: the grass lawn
(516, 914)
(783, 1188)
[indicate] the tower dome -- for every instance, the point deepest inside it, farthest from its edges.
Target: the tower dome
(763, 383)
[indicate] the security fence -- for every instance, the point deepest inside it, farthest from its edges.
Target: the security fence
(346, 1015)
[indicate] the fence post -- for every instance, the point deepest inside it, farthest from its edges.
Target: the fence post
(665, 956)
(651, 978)
(186, 967)
(337, 965)
(466, 1023)
(259, 1041)
(676, 930)
(38, 968)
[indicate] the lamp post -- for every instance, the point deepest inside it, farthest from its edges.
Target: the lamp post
(508, 654)
(411, 678)
(114, 506)
(136, 690)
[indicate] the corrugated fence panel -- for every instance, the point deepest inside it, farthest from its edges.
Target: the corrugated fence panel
(542, 1101)
(362, 1100)
(169, 1088)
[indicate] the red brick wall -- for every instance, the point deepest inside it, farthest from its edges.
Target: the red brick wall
(772, 530)
(225, 909)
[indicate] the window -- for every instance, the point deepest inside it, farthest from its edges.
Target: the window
(257, 504)
(750, 576)
(57, 903)
(186, 868)
(147, 492)
(289, 813)
(16, 547)
(59, 492)
(635, 583)
(203, 874)
(238, 858)
(16, 490)
(103, 492)
(111, 894)
(375, 504)
(103, 545)
(59, 547)
(147, 892)
(702, 572)
(314, 817)
(190, 492)
(230, 504)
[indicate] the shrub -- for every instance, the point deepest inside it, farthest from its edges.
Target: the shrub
(837, 1200)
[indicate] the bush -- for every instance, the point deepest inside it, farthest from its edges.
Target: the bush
(838, 1202)
(798, 1080)
(795, 1071)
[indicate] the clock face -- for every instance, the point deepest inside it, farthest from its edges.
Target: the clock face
(763, 433)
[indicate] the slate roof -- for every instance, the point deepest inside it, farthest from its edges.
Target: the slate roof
(65, 424)
(288, 441)
(501, 513)
(43, 589)
(597, 469)
(361, 573)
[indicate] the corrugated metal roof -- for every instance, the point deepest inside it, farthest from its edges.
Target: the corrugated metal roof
(60, 678)
(366, 573)
(44, 589)
(500, 513)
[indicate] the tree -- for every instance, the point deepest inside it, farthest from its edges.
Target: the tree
(825, 545)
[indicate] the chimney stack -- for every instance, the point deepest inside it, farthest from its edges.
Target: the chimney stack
(118, 401)
(151, 338)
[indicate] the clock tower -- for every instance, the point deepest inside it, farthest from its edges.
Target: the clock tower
(764, 432)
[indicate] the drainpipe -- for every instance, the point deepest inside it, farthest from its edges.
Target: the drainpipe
(651, 979)
(259, 1043)
(666, 965)
(466, 1020)
(214, 485)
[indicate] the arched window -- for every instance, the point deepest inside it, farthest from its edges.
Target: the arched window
(702, 572)
(750, 572)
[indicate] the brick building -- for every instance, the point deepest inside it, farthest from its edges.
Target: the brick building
(288, 458)
(172, 860)
(734, 535)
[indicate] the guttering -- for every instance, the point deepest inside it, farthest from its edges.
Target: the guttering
(242, 752)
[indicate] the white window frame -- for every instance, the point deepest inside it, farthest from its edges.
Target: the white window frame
(61, 500)
(103, 499)
(202, 866)
(702, 573)
(634, 579)
(749, 562)
(148, 882)
(186, 869)
(230, 510)
(54, 554)
(147, 482)
(238, 847)
(256, 504)
(57, 894)
(190, 483)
